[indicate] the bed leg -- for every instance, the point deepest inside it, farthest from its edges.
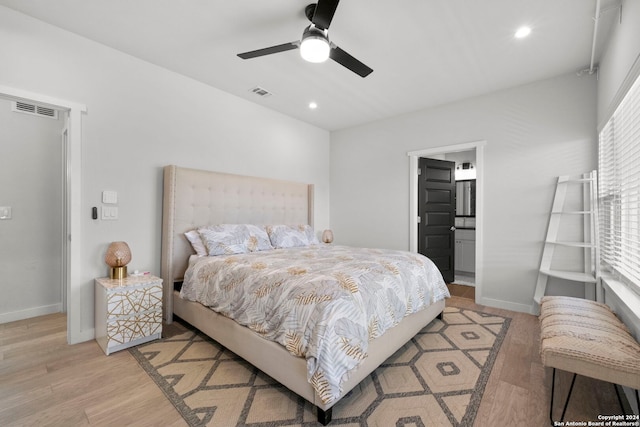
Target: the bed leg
(441, 315)
(324, 417)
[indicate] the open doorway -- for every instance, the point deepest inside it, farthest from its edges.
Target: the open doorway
(447, 213)
(465, 216)
(31, 223)
(72, 137)
(467, 224)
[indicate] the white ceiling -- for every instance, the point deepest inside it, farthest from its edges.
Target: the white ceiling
(423, 52)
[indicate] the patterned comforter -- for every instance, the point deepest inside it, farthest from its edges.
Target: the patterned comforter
(322, 302)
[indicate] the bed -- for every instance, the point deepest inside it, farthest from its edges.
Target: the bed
(194, 198)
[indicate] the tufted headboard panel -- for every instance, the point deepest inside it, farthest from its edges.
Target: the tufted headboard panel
(194, 198)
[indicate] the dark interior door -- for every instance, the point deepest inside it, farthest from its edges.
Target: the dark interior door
(437, 212)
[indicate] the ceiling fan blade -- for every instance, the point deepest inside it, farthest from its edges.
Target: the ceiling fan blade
(325, 9)
(269, 50)
(343, 58)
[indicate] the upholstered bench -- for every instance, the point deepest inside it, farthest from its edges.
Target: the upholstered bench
(586, 338)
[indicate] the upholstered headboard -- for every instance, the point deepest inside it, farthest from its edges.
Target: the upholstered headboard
(193, 198)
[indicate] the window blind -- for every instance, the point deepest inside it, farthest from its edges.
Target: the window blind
(619, 190)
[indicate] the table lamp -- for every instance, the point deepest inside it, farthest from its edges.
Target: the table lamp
(118, 256)
(327, 236)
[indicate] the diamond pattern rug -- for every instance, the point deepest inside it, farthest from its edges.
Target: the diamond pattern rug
(436, 379)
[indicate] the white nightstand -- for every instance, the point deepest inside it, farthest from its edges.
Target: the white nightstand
(128, 312)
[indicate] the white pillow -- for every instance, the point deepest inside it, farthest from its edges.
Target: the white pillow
(311, 235)
(291, 236)
(196, 242)
(226, 239)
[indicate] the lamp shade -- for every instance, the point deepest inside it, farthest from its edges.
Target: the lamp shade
(117, 257)
(327, 236)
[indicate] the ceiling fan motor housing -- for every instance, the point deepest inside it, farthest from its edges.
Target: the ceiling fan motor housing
(309, 11)
(315, 32)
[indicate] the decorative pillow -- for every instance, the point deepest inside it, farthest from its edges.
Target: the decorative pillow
(226, 239)
(311, 235)
(291, 236)
(196, 242)
(258, 238)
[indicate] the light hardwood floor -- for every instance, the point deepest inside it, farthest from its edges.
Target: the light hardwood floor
(45, 382)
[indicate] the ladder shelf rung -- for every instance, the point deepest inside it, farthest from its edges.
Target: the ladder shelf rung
(575, 276)
(587, 245)
(564, 179)
(572, 212)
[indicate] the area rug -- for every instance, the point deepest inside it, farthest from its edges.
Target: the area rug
(436, 379)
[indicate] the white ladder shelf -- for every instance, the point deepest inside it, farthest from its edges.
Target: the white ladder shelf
(583, 221)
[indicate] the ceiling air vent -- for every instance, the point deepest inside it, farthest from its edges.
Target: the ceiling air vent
(34, 110)
(260, 91)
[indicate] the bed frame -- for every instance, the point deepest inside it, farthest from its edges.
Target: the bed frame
(194, 198)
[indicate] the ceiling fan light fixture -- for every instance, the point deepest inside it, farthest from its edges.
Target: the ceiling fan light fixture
(523, 32)
(315, 45)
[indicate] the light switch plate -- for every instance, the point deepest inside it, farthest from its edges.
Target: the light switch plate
(109, 212)
(110, 197)
(5, 212)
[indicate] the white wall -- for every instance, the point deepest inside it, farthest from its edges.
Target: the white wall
(534, 133)
(141, 117)
(31, 177)
(620, 58)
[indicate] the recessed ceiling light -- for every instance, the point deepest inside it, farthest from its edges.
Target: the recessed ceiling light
(523, 32)
(313, 105)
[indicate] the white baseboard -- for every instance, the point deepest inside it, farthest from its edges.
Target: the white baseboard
(30, 312)
(86, 335)
(506, 305)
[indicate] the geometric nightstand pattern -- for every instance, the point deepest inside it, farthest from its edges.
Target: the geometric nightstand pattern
(128, 311)
(134, 301)
(122, 331)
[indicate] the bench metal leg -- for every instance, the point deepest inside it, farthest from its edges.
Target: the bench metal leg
(620, 400)
(566, 403)
(615, 386)
(637, 403)
(553, 388)
(573, 381)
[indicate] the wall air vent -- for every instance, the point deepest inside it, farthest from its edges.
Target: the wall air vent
(34, 110)
(260, 91)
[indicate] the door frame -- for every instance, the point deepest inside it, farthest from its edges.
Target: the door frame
(478, 146)
(65, 244)
(72, 211)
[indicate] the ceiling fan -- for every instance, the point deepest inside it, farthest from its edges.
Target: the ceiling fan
(315, 45)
